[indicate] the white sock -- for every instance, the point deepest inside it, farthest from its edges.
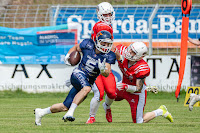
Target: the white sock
(108, 102)
(71, 110)
(158, 112)
(198, 97)
(94, 105)
(46, 111)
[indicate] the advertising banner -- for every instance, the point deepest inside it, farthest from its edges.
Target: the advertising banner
(132, 23)
(165, 72)
(51, 78)
(38, 45)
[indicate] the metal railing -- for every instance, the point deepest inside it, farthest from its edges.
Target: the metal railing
(159, 38)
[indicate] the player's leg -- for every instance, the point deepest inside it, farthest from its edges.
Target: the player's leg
(108, 102)
(106, 106)
(80, 96)
(193, 99)
(161, 111)
(39, 113)
(98, 90)
(110, 85)
(94, 105)
(80, 83)
(110, 89)
(137, 104)
(59, 107)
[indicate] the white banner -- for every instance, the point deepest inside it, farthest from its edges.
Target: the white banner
(164, 72)
(52, 77)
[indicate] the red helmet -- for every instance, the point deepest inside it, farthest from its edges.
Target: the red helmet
(100, 26)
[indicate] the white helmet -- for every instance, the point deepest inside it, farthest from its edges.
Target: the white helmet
(105, 8)
(140, 50)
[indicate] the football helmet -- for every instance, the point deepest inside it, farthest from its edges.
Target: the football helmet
(103, 36)
(105, 8)
(140, 50)
(99, 27)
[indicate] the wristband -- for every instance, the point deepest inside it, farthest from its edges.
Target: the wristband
(131, 89)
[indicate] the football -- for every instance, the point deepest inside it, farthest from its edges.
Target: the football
(74, 58)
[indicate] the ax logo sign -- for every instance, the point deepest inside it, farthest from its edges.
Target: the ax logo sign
(44, 68)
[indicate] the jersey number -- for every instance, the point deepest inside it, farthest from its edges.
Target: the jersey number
(90, 65)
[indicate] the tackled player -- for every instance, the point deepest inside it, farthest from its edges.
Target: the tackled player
(133, 86)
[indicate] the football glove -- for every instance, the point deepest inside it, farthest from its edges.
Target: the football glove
(126, 87)
(101, 65)
(66, 59)
(152, 89)
(122, 86)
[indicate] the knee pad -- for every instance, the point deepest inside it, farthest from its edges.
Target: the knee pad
(97, 95)
(112, 95)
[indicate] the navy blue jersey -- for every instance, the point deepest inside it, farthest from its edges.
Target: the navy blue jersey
(88, 70)
(89, 62)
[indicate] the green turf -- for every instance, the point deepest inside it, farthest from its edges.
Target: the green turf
(16, 115)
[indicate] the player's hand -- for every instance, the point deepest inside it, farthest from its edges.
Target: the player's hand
(122, 86)
(114, 49)
(101, 65)
(152, 89)
(66, 60)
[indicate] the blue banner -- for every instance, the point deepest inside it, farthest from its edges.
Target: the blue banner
(132, 22)
(38, 45)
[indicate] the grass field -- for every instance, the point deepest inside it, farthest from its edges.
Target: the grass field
(16, 115)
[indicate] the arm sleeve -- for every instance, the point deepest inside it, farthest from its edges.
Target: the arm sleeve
(121, 48)
(83, 44)
(143, 72)
(111, 58)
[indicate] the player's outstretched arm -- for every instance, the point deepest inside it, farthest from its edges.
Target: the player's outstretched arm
(195, 42)
(118, 55)
(131, 88)
(140, 83)
(74, 48)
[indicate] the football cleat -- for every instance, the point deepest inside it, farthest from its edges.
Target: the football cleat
(68, 118)
(90, 120)
(38, 116)
(166, 114)
(152, 89)
(108, 113)
(192, 101)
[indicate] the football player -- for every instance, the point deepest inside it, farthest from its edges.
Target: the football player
(106, 15)
(133, 86)
(97, 59)
(193, 99)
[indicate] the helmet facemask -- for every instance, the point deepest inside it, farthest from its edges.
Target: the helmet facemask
(107, 20)
(103, 36)
(105, 8)
(101, 48)
(138, 48)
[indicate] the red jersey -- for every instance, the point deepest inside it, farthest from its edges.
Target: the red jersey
(99, 26)
(136, 71)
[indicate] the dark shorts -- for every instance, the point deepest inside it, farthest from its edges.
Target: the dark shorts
(78, 80)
